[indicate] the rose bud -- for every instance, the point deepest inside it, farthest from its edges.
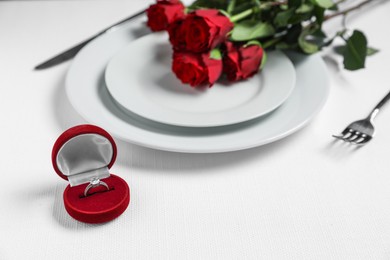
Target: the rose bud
(203, 30)
(242, 62)
(163, 13)
(197, 69)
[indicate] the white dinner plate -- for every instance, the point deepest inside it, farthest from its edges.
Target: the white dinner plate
(140, 79)
(88, 94)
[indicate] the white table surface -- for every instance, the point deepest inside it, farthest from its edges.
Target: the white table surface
(304, 197)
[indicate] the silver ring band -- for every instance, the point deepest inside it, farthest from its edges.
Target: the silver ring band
(93, 184)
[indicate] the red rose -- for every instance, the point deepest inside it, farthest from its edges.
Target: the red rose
(176, 35)
(163, 13)
(241, 62)
(202, 31)
(197, 69)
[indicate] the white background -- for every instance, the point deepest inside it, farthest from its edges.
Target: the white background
(305, 197)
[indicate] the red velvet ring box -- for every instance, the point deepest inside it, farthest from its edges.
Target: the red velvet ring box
(83, 156)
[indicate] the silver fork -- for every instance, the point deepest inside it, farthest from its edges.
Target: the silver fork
(362, 131)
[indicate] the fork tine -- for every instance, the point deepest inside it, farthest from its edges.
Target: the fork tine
(358, 140)
(347, 133)
(355, 135)
(364, 140)
(340, 137)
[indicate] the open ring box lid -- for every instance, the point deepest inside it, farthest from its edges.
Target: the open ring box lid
(80, 155)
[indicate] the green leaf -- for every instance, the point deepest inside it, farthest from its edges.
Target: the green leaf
(356, 51)
(299, 18)
(293, 34)
(215, 54)
(371, 51)
(253, 42)
(319, 13)
(305, 8)
(324, 3)
(250, 30)
(241, 6)
(281, 19)
(283, 7)
(215, 4)
(307, 46)
(285, 46)
(295, 3)
(340, 49)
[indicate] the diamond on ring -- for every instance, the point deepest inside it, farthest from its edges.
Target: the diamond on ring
(96, 182)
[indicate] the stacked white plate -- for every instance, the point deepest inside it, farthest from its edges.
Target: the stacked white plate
(124, 83)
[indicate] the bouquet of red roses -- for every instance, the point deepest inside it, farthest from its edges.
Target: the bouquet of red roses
(212, 38)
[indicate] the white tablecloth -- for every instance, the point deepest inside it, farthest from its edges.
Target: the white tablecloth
(304, 197)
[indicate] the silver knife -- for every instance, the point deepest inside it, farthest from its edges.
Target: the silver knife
(68, 54)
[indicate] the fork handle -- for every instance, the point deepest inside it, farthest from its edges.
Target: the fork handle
(381, 103)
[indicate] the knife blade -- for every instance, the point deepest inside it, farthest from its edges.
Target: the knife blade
(70, 53)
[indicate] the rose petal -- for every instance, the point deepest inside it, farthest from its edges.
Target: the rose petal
(205, 29)
(214, 68)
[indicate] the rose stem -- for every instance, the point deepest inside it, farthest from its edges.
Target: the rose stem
(231, 6)
(347, 10)
(248, 12)
(242, 15)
